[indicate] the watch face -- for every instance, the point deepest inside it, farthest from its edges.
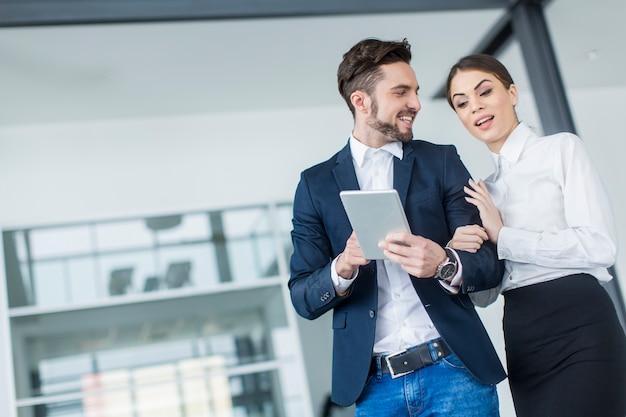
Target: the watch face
(447, 271)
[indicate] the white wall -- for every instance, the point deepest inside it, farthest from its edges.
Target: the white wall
(51, 173)
(103, 169)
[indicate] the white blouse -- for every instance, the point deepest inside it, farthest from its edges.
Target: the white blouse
(556, 212)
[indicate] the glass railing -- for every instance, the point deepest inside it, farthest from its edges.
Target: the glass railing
(176, 315)
(231, 353)
(65, 265)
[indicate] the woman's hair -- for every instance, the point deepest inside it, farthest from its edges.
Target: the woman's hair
(481, 62)
(360, 67)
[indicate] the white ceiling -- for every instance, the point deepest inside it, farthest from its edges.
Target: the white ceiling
(71, 73)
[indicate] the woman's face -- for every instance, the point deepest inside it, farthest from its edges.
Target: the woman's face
(485, 107)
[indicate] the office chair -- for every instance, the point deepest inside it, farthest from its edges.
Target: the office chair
(178, 274)
(120, 281)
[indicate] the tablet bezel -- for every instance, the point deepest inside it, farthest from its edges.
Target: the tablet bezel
(373, 214)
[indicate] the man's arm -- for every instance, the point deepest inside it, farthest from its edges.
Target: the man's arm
(311, 285)
(481, 270)
(420, 256)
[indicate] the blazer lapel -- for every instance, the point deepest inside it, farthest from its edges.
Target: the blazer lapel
(344, 171)
(402, 171)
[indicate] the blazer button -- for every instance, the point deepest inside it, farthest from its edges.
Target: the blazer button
(372, 314)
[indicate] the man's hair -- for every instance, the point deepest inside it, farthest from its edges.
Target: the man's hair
(481, 62)
(360, 67)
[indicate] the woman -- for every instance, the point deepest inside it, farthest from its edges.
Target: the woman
(548, 212)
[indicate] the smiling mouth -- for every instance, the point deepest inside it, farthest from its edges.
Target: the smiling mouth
(408, 119)
(484, 120)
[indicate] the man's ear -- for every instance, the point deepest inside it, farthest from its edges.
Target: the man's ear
(361, 101)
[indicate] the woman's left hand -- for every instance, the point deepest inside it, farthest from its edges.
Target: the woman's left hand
(489, 214)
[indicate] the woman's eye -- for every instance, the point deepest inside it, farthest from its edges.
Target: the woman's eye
(486, 92)
(461, 104)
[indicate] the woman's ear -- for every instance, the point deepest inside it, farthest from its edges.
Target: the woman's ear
(360, 101)
(513, 94)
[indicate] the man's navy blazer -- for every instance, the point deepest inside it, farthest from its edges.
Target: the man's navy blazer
(429, 180)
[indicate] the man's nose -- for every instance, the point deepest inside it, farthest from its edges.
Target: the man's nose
(415, 103)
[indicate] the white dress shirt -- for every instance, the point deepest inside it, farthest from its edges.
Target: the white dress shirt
(556, 213)
(402, 320)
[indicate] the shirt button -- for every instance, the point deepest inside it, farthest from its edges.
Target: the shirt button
(372, 314)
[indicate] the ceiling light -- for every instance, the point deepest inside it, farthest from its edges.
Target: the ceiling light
(594, 54)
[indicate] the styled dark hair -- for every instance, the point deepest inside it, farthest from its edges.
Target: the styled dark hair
(360, 67)
(481, 62)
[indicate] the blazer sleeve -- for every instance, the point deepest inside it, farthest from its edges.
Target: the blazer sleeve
(481, 270)
(311, 287)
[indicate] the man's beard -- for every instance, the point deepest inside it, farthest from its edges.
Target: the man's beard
(390, 131)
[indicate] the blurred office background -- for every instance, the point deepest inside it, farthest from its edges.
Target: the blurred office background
(146, 176)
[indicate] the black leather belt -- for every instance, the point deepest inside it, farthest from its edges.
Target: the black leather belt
(412, 359)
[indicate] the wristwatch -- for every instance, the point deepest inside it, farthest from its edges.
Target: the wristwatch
(447, 269)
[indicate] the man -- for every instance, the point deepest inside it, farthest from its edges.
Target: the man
(407, 341)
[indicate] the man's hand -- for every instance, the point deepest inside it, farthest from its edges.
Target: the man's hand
(351, 258)
(417, 255)
(468, 238)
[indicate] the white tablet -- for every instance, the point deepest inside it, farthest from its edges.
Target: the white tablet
(374, 214)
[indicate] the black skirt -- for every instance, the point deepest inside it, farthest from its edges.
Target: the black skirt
(566, 350)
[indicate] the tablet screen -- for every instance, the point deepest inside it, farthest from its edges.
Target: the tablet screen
(373, 214)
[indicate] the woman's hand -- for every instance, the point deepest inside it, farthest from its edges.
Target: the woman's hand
(489, 214)
(468, 238)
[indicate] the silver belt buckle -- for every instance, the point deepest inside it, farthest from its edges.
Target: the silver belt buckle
(391, 370)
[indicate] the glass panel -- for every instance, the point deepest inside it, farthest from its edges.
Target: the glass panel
(60, 241)
(165, 378)
(192, 227)
(198, 388)
(62, 375)
(20, 245)
(95, 261)
(188, 265)
(209, 355)
(250, 244)
(82, 280)
(51, 287)
(239, 327)
(284, 214)
(125, 273)
(246, 222)
(252, 258)
(130, 234)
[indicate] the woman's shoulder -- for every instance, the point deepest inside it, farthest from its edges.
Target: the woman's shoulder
(561, 141)
(561, 137)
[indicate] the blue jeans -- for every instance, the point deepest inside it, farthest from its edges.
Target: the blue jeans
(444, 389)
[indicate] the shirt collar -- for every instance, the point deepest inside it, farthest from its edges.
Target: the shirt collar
(514, 145)
(359, 150)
